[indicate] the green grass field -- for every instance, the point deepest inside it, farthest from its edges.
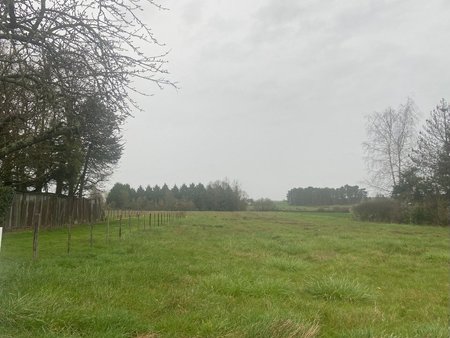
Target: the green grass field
(229, 275)
(285, 206)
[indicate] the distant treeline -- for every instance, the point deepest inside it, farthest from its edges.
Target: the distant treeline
(312, 196)
(217, 196)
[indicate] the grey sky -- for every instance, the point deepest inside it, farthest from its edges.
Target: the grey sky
(273, 93)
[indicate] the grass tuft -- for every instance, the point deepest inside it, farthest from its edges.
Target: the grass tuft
(292, 329)
(367, 333)
(237, 286)
(432, 330)
(340, 289)
(289, 264)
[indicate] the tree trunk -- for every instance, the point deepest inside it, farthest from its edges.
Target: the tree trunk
(59, 186)
(83, 175)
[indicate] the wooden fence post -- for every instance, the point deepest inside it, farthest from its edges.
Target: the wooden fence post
(91, 225)
(69, 234)
(120, 226)
(36, 237)
(107, 229)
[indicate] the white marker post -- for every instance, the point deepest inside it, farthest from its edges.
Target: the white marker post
(1, 231)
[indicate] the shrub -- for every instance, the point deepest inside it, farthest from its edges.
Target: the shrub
(432, 210)
(264, 204)
(379, 210)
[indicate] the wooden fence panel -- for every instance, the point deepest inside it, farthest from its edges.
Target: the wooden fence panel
(55, 211)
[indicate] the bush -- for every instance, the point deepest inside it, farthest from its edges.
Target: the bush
(379, 210)
(432, 210)
(264, 204)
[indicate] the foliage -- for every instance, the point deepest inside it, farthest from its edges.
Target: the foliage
(326, 196)
(424, 188)
(66, 73)
(420, 201)
(219, 195)
(432, 155)
(379, 210)
(264, 204)
(418, 177)
(70, 164)
(6, 197)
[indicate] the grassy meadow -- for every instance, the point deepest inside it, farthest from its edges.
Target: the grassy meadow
(285, 206)
(246, 274)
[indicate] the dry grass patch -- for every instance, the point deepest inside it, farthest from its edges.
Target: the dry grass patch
(291, 329)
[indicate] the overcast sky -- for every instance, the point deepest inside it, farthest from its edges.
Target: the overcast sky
(274, 93)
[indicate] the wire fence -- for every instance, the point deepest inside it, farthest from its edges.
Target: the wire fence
(114, 225)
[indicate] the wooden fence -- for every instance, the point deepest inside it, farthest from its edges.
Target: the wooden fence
(50, 211)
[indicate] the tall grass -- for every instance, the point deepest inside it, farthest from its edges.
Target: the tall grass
(332, 288)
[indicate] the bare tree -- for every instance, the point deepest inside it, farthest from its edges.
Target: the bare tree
(55, 57)
(56, 52)
(390, 138)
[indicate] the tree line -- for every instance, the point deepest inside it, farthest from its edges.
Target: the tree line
(215, 196)
(312, 196)
(411, 167)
